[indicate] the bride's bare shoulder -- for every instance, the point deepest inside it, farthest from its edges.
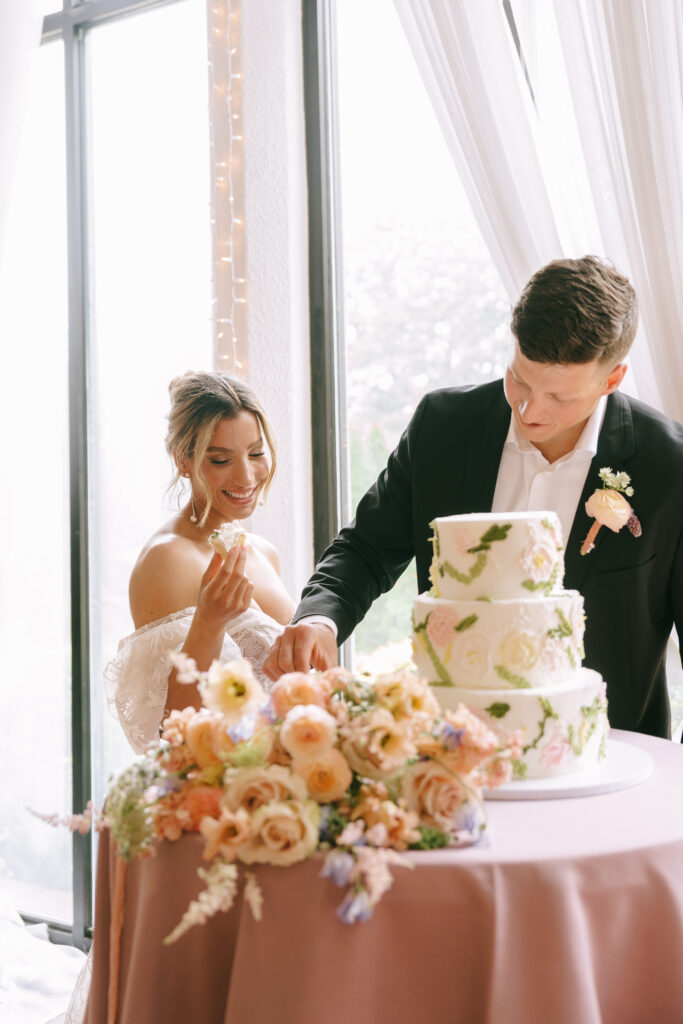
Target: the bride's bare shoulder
(165, 577)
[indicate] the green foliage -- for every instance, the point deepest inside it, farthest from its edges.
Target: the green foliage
(432, 839)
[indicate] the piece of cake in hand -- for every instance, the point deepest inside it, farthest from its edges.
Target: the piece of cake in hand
(226, 537)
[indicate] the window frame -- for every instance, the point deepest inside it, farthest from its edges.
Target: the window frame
(71, 25)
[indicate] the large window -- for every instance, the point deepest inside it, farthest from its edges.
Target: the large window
(423, 305)
(105, 297)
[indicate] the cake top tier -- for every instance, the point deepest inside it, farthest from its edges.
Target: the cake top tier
(493, 555)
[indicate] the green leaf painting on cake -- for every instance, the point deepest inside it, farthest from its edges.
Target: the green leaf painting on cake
(437, 634)
(495, 533)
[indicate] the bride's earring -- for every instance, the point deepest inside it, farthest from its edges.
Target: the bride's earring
(193, 517)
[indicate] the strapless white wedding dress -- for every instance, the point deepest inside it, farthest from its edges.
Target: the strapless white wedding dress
(136, 680)
(136, 684)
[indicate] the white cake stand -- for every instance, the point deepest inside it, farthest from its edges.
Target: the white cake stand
(624, 766)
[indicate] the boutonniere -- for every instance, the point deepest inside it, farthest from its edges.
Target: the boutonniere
(610, 508)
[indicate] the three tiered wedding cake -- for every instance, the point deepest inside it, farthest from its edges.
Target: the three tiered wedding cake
(500, 635)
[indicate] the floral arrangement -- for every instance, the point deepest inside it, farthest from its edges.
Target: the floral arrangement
(361, 767)
(609, 507)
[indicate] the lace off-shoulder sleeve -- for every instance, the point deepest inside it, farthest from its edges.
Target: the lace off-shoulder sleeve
(136, 680)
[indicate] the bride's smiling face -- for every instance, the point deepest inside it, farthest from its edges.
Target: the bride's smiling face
(236, 466)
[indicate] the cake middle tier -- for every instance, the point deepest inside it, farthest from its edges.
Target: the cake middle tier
(488, 645)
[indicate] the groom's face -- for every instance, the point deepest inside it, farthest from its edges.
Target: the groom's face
(551, 403)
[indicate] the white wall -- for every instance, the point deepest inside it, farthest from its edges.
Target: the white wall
(276, 234)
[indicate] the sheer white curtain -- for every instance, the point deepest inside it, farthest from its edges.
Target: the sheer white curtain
(593, 164)
(624, 61)
(20, 28)
(467, 60)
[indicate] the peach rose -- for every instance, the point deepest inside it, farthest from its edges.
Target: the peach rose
(307, 731)
(335, 678)
(327, 777)
(609, 508)
(232, 689)
(434, 793)
(221, 744)
(298, 688)
(282, 832)
(199, 737)
(252, 787)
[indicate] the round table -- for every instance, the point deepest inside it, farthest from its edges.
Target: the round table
(572, 914)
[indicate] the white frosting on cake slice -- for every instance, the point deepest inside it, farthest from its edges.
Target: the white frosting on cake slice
(495, 556)
(513, 643)
(226, 536)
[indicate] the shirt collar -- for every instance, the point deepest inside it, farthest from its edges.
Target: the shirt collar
(588, 442)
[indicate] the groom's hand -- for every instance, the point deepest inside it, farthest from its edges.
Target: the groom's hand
(300, 648)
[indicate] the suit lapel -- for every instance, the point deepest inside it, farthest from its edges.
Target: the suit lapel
(476, 489)
(616, 445)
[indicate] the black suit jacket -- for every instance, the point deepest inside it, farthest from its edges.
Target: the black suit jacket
(446, 463)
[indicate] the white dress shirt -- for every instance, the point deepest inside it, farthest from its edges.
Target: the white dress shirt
(527, 482)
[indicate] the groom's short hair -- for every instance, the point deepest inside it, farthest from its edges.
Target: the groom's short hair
(575, 311)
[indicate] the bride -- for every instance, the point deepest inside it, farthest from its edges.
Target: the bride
(183, 595)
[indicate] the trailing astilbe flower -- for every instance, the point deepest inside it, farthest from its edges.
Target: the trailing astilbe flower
(253, 896)
(219, 894)
(81, 823)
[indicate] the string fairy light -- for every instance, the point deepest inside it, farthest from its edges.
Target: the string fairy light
(229, 284)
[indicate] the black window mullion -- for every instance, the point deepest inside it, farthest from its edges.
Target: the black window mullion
(328, 407)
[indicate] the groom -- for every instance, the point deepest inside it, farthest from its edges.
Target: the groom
(536, 440)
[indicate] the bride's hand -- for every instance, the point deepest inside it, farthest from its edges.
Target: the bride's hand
(225, 590)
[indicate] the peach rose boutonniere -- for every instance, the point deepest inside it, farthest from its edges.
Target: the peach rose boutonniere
(609, 507)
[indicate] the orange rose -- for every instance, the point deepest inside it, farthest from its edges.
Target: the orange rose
(327, 777)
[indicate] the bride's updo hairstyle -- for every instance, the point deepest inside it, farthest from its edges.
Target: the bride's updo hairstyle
(199, 401)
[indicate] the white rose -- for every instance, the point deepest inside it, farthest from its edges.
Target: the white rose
(308, 731)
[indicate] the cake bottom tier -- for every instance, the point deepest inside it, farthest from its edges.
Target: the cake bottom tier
(563, 727)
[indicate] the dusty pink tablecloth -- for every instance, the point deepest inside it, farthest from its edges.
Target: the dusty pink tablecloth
(572, 915)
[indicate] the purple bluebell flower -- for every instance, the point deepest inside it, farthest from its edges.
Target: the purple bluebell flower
(450, 736)
(268, 711)
(354, 907)
(338, 866)
(244, 729)
(469, 818)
